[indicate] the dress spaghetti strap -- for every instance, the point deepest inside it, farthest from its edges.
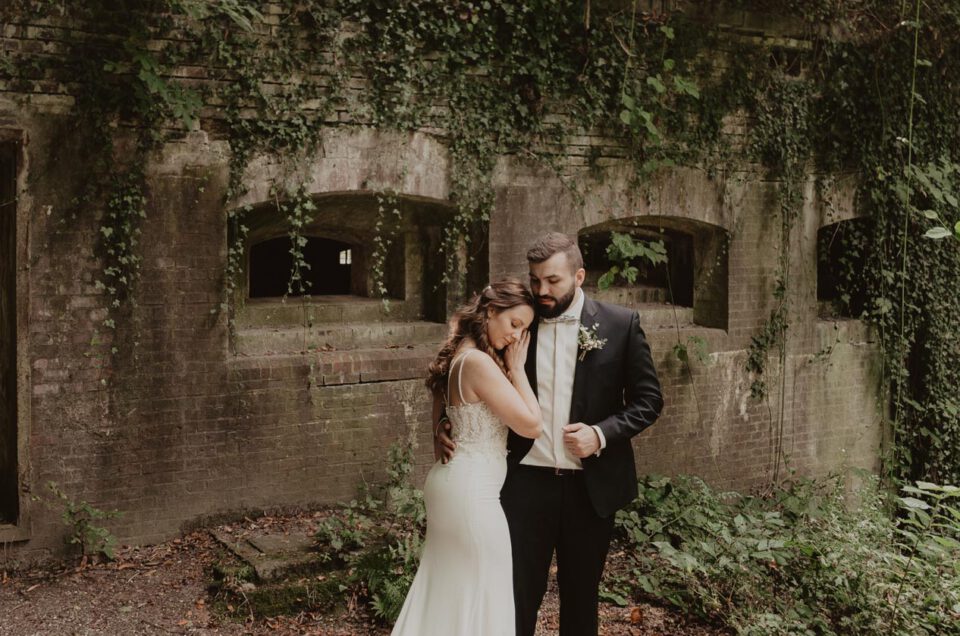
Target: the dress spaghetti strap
(460, 358)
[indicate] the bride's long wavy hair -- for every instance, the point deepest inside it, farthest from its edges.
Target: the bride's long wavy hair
(470, 321)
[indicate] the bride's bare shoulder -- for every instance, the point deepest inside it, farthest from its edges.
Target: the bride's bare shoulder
(479, 365)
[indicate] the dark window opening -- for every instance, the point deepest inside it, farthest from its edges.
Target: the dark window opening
(790, 62)
(667, 282)
(9, 504)
(326, 269)
(841, 257)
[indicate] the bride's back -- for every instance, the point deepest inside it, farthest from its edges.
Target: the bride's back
(475, 428)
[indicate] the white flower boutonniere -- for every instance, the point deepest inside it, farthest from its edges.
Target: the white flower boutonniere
(588, 341)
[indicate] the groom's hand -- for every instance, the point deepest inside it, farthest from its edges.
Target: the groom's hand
(443, 445)
(580, 440)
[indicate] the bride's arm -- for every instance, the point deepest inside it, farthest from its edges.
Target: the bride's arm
(512, 400)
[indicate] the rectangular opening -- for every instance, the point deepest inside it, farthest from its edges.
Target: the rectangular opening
(9, 486)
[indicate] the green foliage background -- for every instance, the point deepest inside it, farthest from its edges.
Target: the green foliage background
(803, 560)
(874, 97)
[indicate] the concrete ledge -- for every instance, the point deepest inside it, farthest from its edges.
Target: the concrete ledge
(331, 368)
(844, 331)
(325, 337)
(274, 312)
(10, 533)
(630, 296)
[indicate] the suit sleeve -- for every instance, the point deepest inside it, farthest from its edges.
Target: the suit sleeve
(642, 397)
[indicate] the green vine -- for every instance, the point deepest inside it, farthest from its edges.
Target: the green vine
(868, 92)
(893, 120)
(237, 233)
(298, 209)
(772, 337)
(387, 224)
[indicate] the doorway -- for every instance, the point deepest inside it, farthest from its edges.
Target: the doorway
(9, 504)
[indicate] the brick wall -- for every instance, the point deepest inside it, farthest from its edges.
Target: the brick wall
(181, 426)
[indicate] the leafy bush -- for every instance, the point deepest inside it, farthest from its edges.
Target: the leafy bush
(800, 561)
(377, 539)
(624, 251)
(92, 538)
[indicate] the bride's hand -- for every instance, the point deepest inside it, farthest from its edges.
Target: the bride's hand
(515, 356)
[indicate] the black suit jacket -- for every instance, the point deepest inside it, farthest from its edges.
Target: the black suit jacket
(615, 388)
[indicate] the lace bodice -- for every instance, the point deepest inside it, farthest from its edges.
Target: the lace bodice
(477, 430)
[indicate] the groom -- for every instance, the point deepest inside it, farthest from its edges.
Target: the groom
(594, 377)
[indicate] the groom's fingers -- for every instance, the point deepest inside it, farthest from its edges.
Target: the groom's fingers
(444, 436)
(446, 445)
(580, 439)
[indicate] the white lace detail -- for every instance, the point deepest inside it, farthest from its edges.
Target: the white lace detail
(477, 430)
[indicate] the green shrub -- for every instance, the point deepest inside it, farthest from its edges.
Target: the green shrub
(81, 518)
(802, 560)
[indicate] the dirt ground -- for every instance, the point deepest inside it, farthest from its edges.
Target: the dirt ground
(163, 589)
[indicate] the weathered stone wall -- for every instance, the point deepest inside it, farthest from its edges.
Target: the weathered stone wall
(711, 426)
(186, 422)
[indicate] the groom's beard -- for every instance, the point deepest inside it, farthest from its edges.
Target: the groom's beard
(559, 306)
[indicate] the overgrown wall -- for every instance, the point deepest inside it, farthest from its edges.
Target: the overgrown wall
(178, 424)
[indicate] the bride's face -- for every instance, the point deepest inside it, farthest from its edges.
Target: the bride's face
(508, 325)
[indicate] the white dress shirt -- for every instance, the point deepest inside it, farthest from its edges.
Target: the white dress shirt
(557, 351)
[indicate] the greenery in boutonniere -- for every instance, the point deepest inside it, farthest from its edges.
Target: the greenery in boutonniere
(588, 341)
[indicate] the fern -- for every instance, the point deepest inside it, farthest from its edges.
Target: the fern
(378, 540)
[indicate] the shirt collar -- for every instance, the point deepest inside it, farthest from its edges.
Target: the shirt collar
(577, 307)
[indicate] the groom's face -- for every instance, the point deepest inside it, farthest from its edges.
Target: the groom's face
(554, 284)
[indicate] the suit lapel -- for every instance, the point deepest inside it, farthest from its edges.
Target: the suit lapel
(578, 401)
(530, 366)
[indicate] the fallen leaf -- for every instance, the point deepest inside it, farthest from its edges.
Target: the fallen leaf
(636, 615)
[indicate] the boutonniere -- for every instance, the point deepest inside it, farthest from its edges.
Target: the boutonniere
(588, 341)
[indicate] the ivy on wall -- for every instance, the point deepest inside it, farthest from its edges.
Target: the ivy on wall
(887, 111)
(875, 95)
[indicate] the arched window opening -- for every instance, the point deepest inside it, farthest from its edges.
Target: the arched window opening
(361, 282)
(324, 268)
(673, 262)
(841, 254)
(655, 280)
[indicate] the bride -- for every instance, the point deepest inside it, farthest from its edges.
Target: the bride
(464, 585)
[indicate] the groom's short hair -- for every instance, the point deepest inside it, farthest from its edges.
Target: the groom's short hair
(552, 243)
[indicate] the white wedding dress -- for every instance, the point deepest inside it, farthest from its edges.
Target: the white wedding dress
(464, 585)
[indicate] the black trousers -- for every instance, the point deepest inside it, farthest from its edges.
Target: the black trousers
(547, 512)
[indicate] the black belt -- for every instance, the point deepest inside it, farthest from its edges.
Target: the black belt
(559, 472)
